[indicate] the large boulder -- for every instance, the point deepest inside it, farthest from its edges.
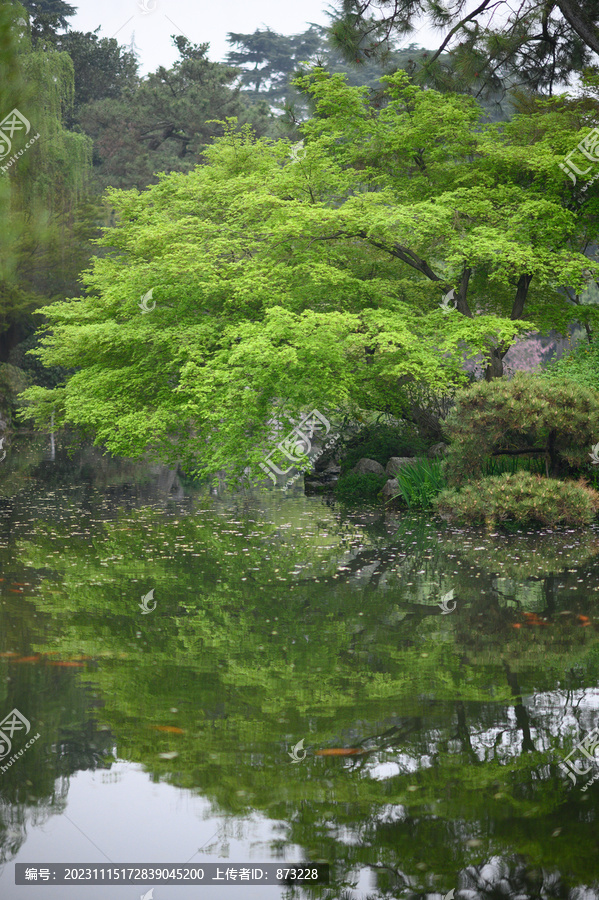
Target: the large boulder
(391, 489)
(396, 463)
(319, 482)
(368, 467)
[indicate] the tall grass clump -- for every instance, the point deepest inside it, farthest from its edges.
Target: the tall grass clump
(420, 482)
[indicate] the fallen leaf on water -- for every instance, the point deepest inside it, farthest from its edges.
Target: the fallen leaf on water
(170, 729)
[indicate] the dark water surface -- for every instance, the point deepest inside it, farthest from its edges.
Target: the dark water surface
(166, 737)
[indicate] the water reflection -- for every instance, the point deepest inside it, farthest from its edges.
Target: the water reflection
(433, 741)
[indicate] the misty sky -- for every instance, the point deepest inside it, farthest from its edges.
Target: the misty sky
(199, 20)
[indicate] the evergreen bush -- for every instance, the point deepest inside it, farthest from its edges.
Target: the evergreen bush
(521, 498)
(553, 419)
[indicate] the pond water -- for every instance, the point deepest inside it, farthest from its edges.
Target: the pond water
(461, 667)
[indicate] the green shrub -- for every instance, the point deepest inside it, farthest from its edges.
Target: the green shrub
(354, 487)
(520, 498)
(420, 482)
(579, 364)
(557, 419)
(381, 442)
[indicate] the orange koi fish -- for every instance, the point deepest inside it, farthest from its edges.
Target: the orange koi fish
(170, 729)
(66, 662)
(339, 751)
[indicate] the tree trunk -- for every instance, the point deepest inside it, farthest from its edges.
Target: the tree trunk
(553, 456)
(495, 365)
(427, 423)
(520, 711)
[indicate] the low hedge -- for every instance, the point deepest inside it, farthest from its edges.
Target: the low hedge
(520, 498)
(355, 487)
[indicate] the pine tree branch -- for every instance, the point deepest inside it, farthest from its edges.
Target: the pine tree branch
(572, 13)
(460, 25)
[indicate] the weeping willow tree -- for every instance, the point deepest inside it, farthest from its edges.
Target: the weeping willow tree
(11, 85)
(43, 173)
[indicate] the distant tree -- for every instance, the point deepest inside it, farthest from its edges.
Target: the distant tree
(47, 16)
(164, 121)
(103, 68)
(268, 60)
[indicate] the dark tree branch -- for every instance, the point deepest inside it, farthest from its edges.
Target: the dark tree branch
(462, 305)
(573, 14)
(460, 25)
(520, 298)
(406, 255)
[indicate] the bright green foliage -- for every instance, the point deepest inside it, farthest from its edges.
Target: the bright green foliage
(420, 482)
(580, 364)
(556, 419)
(521, 498)
(282, 285)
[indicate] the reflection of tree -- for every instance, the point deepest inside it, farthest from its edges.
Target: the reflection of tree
(35, 786)
(255, 653)
(510, 878)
